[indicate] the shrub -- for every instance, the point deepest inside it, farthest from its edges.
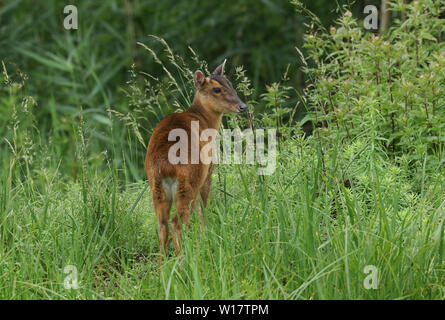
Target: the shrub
(383, 89)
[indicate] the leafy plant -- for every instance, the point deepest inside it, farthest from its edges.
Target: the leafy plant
(383, 89)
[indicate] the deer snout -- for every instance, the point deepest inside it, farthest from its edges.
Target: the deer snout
(242, 107)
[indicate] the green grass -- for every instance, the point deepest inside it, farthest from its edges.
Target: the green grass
(297, 235)
(365, 188)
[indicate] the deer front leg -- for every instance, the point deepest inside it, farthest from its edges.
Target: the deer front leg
(204, 192)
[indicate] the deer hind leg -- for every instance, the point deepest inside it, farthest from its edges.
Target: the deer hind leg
(162, 204)
(185, 204)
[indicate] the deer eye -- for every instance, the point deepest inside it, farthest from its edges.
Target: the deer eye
(217, 90)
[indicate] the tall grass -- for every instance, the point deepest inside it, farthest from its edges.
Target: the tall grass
(277, 239)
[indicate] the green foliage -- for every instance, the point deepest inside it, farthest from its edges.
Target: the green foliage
(87, 67)
(365, 188)
(382, 89)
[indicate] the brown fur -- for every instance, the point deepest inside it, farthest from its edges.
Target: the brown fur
(208, 108)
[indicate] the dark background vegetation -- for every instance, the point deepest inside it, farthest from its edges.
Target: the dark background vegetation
(88, 66)
(88, 69)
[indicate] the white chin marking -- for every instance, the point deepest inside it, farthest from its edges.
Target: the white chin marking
(170, 186)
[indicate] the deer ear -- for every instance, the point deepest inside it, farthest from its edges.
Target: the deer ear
(199, 79)
(219, 71)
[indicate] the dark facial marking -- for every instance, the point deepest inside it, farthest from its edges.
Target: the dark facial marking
(222, 81)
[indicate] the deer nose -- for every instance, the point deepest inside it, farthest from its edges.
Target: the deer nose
(242, 107)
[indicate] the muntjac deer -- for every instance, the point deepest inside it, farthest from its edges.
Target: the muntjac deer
(183, 182)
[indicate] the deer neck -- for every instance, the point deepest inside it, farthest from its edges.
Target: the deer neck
(212, 119)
